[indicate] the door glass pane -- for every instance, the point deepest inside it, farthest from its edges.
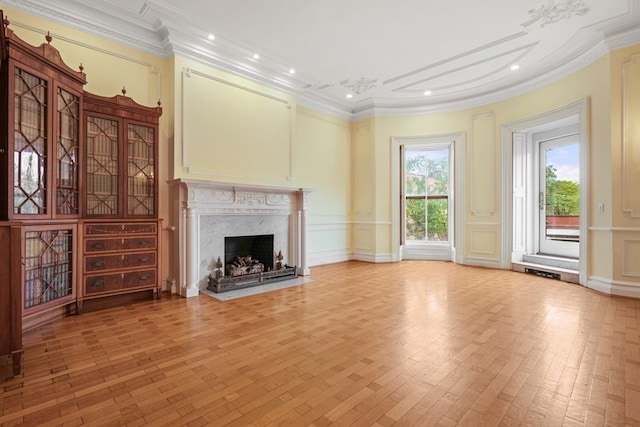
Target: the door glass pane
(416, 229)
(427, 195)
(562, 193)
(438, 220)
(437, 194)
(415, 191)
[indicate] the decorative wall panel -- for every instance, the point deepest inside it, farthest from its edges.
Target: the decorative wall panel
(519, 192)
(631, 255)
(234, 133)
(631, 136)
(482, 244)
(482, 162)
(363, 173)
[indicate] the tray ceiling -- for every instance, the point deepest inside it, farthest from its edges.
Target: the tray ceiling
(358, 58)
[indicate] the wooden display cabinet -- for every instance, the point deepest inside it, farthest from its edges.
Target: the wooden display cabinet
(121, 233)
(121, 158)
(120, 258)
(78, 192)
(40, 151)
(40, 124)
(11, 295)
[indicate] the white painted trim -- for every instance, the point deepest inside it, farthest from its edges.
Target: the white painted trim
(328, 256)
(614, 287)
(458, 140)
(482, 262)
(375, 258)
(615, 229)
(580, 108)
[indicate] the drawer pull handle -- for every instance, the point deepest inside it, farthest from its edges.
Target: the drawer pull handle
(98, 245)
(144, 277)
(98, 283)
(144, 243)
(144, 259)
(98, 264)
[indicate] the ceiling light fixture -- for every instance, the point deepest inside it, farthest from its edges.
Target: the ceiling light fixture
(514, 67)
(292, 71)
(427, 93)
(349, 95)
(211, 37)
(256, 56)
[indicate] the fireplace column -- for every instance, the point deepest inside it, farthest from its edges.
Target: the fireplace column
(303, 269)
(190, 287)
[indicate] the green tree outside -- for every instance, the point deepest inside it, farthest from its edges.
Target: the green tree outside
(562, 197)
(427, 219)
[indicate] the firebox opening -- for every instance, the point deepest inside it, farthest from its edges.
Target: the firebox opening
(258, 247)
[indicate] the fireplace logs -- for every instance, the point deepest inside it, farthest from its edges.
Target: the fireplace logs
(246, 271)
(244, 265)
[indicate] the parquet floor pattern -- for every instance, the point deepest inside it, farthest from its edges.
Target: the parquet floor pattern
(412, 343)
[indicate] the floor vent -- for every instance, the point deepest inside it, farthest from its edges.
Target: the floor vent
(542, 273)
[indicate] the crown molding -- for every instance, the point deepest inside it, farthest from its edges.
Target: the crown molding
(162, 32)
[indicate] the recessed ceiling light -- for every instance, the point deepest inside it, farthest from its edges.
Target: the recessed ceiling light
(211, 37)
(292, 71)
(515, 67)
(256, 56)
(427, 93)
(349, 95)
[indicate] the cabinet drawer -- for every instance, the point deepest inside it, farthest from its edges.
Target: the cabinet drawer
(134, 228)
(106, 283)
(120, 261)
(123, 244)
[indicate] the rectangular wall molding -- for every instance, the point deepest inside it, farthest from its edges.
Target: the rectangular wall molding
(630, 257)
(631, 136)
(482, 165)
(208, 150)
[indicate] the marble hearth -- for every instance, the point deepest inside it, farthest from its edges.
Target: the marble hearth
(210, 211)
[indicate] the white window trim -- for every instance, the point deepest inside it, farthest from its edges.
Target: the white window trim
(511, 247)
(429, 250)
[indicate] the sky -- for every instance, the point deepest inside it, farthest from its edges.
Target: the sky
(566, 160)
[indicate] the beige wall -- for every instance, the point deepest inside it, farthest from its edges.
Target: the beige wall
(625, 166)
(484, 168)
(614, 239)
(220, 127)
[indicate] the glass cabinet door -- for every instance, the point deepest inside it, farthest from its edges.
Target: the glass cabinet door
(30, 145)
(67, 184)
(102, 166)
(48, 266)
(141, 170)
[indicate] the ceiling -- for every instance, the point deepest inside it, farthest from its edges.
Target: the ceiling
(383, 54)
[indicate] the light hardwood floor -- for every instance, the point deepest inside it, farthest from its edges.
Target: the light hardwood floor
(411, 343)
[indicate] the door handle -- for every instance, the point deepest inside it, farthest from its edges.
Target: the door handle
(541, 200)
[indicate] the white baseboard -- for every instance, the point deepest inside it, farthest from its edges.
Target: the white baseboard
(614, 287)
(327, 257)
(375, 258)
(482, 262)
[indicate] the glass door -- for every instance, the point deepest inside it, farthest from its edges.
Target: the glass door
(427, 207)
(559, 197)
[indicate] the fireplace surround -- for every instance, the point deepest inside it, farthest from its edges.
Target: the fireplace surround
(208, 211)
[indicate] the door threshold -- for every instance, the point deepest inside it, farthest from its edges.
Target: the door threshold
(565, 269)
(553, 261)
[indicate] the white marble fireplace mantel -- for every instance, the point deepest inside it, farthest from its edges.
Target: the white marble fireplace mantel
(207, 211)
